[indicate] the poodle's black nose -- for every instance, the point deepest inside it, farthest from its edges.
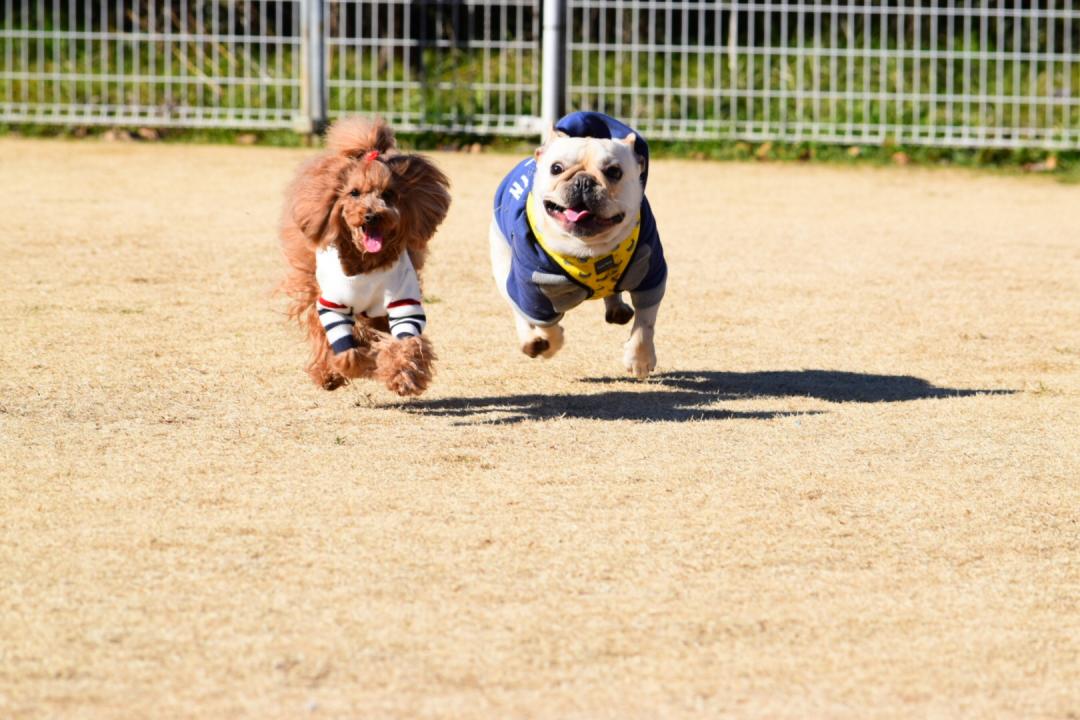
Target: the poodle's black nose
(369, 218)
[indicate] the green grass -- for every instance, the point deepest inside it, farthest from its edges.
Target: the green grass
(1066, 165)
(985, 159)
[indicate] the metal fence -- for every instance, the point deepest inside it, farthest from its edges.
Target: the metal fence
(448, 66)
(958, 72)
(961, 73)
(187, 63)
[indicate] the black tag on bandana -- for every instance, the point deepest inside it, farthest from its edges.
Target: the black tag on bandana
(605, 263)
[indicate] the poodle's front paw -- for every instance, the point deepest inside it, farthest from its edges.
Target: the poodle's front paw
(639, 355)
(332, 381)
(409, 382)
(353, 363)
(405, 366)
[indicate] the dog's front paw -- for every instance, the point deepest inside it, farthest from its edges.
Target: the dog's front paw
(619, 314)
(534, 347)
(353, 363)
(409, 382)
(405, 366)
(332, 381)
(543, 342)
(639, 356)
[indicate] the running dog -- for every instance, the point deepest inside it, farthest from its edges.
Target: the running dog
(572, 224)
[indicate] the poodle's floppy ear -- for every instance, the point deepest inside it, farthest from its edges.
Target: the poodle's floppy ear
(425, 193)
(356, 136)
(313, 195)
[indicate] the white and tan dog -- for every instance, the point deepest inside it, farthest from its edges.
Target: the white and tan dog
(572, 223)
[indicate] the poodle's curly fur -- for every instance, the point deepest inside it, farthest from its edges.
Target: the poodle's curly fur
(408, 197)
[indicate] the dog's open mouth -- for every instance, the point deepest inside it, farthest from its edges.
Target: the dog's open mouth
(368, 237)
(580, 217)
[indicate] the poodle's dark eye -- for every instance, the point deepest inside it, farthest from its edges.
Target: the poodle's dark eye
(389, 196)
(557, 169)
(354, 193)
(613, 173)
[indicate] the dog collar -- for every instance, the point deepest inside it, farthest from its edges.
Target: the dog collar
(599, 274)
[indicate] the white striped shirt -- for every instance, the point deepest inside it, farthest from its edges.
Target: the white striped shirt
(393, 292)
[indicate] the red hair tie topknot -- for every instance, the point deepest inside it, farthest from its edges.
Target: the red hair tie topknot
(371, 156)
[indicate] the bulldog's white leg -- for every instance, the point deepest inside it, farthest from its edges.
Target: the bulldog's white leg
(639, 354)
(534, 340)
(544, 341)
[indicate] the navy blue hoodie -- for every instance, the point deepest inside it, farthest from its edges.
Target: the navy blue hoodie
(538, 286)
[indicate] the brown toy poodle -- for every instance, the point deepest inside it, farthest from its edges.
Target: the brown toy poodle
(355, 232)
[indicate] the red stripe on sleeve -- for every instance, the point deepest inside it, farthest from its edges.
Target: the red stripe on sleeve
(327, 303)
(399, 303)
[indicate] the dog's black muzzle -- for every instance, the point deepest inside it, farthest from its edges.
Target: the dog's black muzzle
(585, 191)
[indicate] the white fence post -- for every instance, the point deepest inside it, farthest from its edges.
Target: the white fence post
(313, 97)
(553, 75)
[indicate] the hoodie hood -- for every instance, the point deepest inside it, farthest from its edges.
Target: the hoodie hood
(604, 127)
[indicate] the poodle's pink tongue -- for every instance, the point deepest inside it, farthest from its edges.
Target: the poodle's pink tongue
(373, 242)
(575, 215)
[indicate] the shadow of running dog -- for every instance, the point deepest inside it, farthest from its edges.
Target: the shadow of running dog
(689, 395)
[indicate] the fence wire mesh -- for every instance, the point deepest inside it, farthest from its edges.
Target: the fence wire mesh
(959, 73)
(950, 72)
(147, 62)
(449, 66)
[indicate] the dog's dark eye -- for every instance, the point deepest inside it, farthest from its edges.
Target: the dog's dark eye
(613, 173)
(354, 193)
(389, 196)
(557, 169)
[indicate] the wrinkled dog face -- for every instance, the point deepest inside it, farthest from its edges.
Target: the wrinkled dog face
(590, 190)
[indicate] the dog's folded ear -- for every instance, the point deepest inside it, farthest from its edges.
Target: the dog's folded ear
(630, 141)
(313, 195)
(425, 193)
(356, 136)
(550, 135)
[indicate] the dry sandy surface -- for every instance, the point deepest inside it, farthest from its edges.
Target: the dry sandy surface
(850, 491)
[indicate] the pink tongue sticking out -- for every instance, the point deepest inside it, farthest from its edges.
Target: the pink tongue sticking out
(372, 242)
(575, 215)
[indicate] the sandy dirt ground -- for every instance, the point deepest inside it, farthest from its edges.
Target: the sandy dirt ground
(851, 490)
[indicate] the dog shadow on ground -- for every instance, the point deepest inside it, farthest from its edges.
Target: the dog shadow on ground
(689, 395)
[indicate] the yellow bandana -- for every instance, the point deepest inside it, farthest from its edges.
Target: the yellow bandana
(599, 274)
